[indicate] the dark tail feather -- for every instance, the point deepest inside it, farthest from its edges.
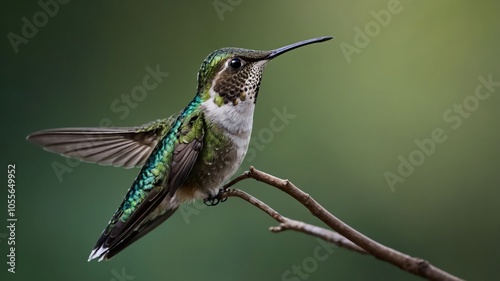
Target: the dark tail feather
(119, 246)
(115, 249)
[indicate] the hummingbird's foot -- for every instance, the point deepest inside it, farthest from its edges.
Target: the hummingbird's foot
(213, 200)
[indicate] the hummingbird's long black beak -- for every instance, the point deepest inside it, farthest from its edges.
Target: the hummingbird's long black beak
(290, 47)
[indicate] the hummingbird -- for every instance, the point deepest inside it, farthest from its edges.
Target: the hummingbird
(185, 157)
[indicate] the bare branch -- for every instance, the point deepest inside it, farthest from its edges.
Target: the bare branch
(289, 224)
(408, 263)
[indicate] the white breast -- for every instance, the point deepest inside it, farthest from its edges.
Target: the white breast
(235, 120)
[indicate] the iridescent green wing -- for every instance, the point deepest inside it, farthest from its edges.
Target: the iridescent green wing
(141, 212)
(121, 147)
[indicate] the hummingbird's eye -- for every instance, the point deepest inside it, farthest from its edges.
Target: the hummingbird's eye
(235, 63)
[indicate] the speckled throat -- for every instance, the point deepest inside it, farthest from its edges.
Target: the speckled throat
(244, 85)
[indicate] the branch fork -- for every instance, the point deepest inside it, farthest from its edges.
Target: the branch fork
(340, 234)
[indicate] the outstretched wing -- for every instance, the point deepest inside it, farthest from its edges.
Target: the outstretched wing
(121, 147)
(149, 201)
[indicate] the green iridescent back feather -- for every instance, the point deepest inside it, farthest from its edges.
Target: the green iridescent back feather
(155, 169)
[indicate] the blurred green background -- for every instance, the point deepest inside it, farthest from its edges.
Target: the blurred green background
(356, 113)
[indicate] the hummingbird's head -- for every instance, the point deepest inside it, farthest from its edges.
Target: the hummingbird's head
(232, 75)
(228, 84)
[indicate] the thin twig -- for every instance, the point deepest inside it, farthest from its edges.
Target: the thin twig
(408, 263)
(289, 224)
